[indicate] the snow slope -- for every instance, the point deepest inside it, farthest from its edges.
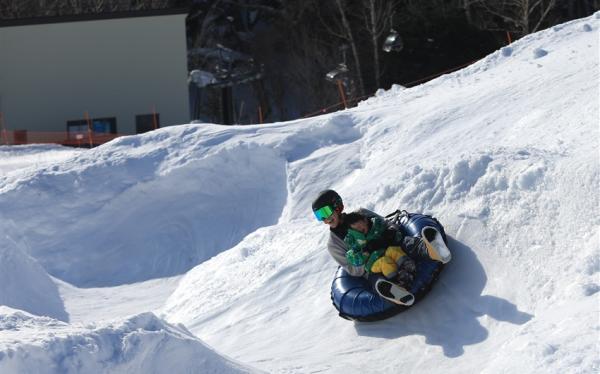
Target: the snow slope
(504, 153)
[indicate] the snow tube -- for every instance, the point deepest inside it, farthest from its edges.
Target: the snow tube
(354, 297)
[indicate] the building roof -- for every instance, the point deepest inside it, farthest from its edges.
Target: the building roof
(91, 17)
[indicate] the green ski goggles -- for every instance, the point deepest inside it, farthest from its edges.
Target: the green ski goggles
(323, 213)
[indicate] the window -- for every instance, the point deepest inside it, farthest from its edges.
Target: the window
(76, 127)
(146, 122)
(107, 125)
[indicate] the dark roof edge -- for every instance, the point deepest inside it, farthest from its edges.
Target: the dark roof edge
(92, 17)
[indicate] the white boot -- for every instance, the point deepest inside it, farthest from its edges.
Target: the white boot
(436, 248)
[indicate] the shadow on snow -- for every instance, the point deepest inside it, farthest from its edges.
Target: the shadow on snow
(448, 316)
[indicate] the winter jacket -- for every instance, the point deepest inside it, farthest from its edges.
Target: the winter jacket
(337, 248)
(356, 240)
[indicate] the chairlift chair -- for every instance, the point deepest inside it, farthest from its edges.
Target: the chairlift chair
(393, 42)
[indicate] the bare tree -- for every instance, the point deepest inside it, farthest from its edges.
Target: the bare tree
(46, 7)
(13, 9)
(377, 16)
(518, 16)
(296, 53)
(207, 23)
(340, 27)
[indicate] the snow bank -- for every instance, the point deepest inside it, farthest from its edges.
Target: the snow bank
(25, 285)
(13, 159)
(132, 211)
(139, 344)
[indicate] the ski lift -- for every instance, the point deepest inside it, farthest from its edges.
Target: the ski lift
(202, 78)
(339, 73)
(393, 42)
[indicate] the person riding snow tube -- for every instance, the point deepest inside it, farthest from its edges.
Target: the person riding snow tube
(354, 297)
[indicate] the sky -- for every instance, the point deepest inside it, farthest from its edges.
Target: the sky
(193, 248)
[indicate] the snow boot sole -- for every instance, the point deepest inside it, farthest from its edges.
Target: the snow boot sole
(394, 293)
(436, 248)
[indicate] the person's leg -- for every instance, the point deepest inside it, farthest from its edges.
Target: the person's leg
(396, 254)
(405, 265)
(385, 266)
(414, 247)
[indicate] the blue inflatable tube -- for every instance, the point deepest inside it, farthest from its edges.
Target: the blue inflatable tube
(354, 297)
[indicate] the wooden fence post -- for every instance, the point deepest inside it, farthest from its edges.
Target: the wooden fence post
(89, 126)
(342, 94)
(3, 129)
(154, 120)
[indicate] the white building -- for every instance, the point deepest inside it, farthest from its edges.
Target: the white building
(119, 68)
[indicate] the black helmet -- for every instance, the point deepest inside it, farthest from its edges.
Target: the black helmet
(327, 197)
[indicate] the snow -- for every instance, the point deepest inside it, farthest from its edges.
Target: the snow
(138, 344)
(137, 255)
(20, 158)
(143, 207)
(27, 286)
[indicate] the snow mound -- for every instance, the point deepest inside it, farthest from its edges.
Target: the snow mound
(139, 344)
(15, 158)
(25, 285)
(128, 212)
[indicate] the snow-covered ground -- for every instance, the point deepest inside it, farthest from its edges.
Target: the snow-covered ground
(142, 343)
(18, 159)
(136, 255)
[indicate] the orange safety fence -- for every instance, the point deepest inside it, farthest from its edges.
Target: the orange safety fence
(344, 103)
(77, 139)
